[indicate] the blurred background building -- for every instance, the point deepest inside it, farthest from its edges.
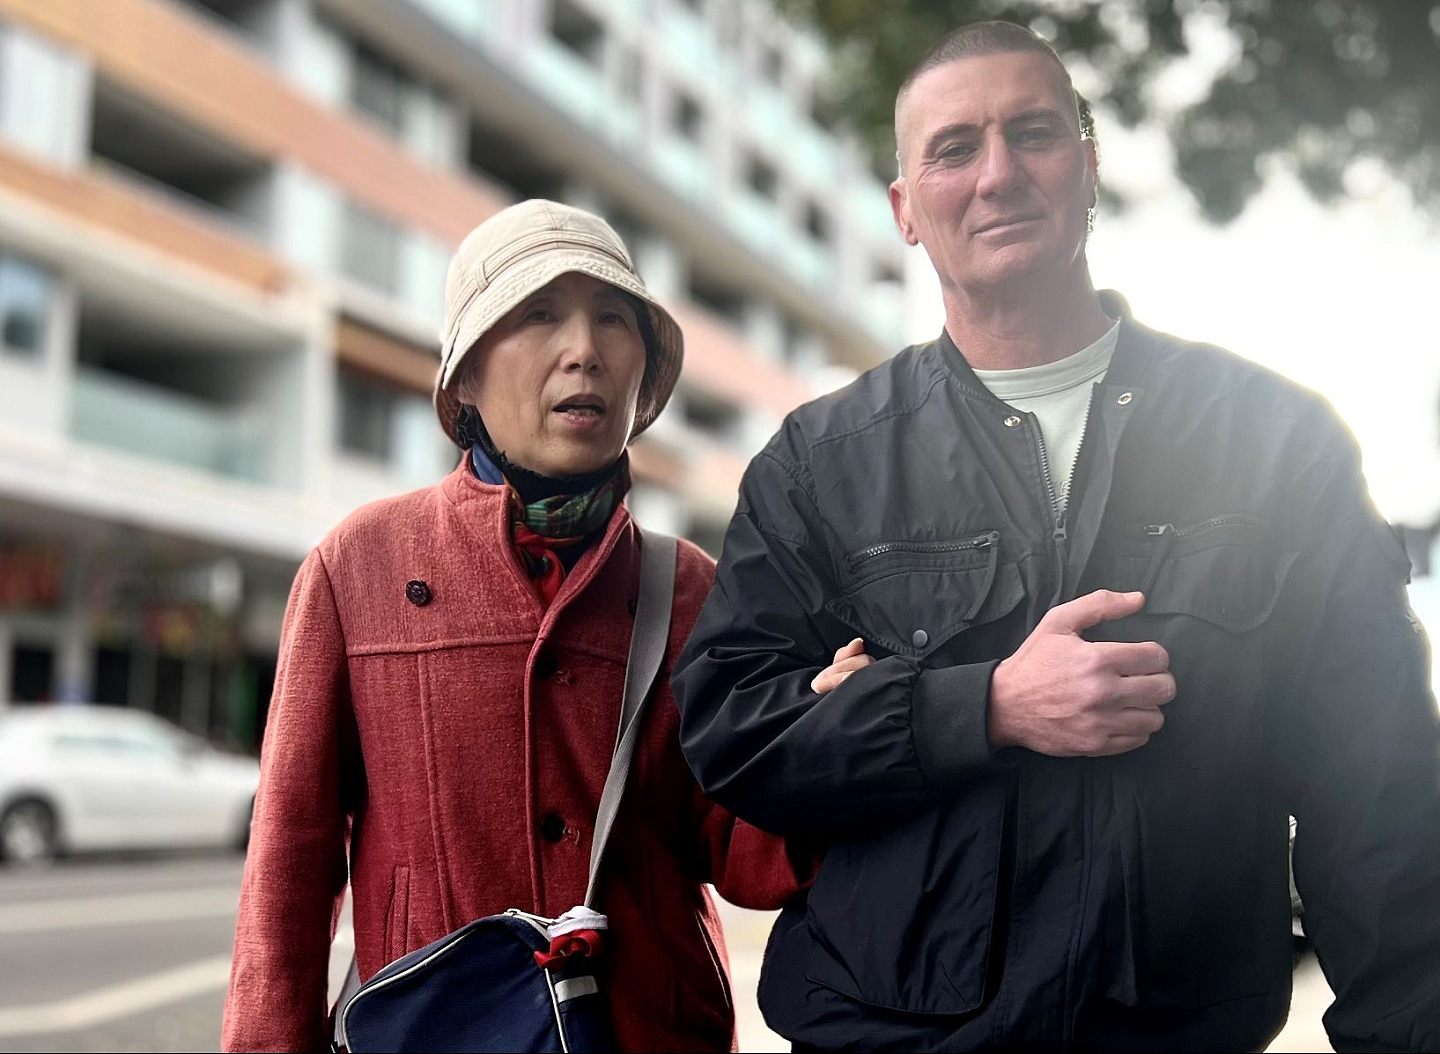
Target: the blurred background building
(224, 227)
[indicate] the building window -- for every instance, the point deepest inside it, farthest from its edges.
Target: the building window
(772, 65)
(632, 74)
(377, 88)
(577, 29)
(365, 416)
(370, 250)
(762, 177)
(25, 292)
(689, 117)
(392, 426)
(817, 223)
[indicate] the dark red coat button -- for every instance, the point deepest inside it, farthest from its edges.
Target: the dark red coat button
(552, 827)
(417, 592)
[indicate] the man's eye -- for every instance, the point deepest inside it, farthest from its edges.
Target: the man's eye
(1035, 137)
(955, 152)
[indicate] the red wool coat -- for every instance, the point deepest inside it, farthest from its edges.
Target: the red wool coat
(455, 738)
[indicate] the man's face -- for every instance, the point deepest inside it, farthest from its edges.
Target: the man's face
(997, 181)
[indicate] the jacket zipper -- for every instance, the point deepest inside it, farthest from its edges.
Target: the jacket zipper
(1160, 530)
(980, 541)
(1060, 529)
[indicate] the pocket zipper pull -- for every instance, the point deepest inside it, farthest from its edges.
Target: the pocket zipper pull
(1159, 530)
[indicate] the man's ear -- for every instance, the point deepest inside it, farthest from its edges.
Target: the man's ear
(1092, 164)
(900, 209)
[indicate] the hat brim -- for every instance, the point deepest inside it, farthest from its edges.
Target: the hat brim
(502, 297)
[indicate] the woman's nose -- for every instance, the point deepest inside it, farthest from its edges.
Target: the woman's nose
(580, 351)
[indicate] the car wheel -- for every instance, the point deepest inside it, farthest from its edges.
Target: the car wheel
(29, 832)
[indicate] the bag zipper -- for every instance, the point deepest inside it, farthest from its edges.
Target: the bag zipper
(538, 922)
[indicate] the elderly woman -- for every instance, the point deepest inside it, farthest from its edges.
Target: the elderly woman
(451, 673)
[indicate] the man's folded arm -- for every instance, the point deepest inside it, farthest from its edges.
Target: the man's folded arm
(890, 739)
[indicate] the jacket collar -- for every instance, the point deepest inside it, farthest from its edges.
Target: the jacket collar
(1129, 366)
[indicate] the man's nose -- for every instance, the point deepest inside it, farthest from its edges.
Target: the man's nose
(1000, 171)
(580, 350)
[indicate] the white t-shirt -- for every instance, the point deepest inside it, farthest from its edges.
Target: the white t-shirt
(1058, 394)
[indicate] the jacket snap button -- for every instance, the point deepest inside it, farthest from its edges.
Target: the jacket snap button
(919, 638)
(1125, 398)
(1011, 421)
(552, 827)
(417, 592)
(545, 665)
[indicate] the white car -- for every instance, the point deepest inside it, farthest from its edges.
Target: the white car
(75, 778)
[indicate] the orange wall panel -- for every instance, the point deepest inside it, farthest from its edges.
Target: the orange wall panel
(381, 355)
(718, 360)
(120, 209)
(180, 63)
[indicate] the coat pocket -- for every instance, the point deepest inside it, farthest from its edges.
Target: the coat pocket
(903, 919)
(1224, 570)
(397, 915)
(912, 596)
(1207, 904)
(1210, 589)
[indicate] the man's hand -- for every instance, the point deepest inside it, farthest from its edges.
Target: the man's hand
(848, 659)
(1062, 695)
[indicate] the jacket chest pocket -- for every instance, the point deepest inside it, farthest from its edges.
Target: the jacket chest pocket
(1210, 589)
(911, 596)
(1223, 571)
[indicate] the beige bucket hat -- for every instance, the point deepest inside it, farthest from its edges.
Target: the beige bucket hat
(514, 253)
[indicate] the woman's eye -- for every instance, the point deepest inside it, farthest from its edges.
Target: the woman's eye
(537, 314)
(614, 318)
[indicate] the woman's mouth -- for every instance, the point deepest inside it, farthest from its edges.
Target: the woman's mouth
(581, 411)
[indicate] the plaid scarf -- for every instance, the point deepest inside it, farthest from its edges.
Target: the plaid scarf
(542, 528)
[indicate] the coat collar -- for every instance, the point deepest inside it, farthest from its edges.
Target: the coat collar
(487, 505)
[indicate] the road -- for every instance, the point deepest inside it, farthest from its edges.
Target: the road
(133, 955)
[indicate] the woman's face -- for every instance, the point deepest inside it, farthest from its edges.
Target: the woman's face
(557, 379)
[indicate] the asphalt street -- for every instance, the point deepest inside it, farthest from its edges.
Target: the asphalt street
(133, 955)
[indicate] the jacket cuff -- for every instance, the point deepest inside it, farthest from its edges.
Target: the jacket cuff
(948, 710)
(1346, 1045)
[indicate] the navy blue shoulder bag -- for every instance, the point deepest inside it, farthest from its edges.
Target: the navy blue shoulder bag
(516, 981)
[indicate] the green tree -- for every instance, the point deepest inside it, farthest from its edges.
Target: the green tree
(1315, 84)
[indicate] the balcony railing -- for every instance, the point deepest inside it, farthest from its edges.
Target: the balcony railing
(153, 422)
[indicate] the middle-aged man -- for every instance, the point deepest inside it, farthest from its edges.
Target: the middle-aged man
(1044, 628)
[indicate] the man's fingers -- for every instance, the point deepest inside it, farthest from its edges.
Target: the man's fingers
(1121, 745)
(1133, 660)
(855, 647)
(1147, 690)
(1081, 613)
(1131, 730)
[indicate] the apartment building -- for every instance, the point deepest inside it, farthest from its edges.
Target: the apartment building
(224, 226)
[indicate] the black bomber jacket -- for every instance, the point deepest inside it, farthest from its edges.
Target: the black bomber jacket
(972, 899)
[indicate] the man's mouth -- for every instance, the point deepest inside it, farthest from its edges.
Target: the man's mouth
(1010, 221)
